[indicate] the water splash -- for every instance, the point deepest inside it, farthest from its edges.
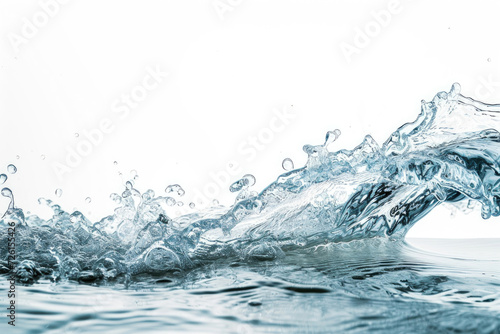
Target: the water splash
(450, 153)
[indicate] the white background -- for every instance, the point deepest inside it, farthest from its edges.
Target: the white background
(231, 64)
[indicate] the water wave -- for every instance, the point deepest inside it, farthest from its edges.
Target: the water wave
(450, 153)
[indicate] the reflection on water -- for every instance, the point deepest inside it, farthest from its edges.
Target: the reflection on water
(319, 250)
(374, 284)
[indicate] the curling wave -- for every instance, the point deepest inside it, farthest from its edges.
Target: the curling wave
(450, 153)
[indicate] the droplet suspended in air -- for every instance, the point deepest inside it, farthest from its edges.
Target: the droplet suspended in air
(42, 157)
(192, 205)
(250, 178)
(115, 163)
(18, 157)
(88, 200)
(287, 164)
(115, 198)
(3, 178)
(489, 60)
(77, 135)
(6, 192)
(170, 201)
(12, 169)
(238, 185)
(215, 202)
(59, 192)
(331, 136)
(175, 188)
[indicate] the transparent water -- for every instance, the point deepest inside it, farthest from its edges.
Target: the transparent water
(321, 249)
(433, 285)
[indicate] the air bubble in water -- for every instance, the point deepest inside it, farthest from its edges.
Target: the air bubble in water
(58, 192)
(12, 169)
(3, 178)
(287, 164)
(88, 200)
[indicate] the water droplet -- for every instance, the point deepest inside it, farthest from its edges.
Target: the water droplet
(115, 198)
(59, 192)
(238, 185)
(175, 188)
(12, 169)
(129, 185)
(42, 157)
(331, 136)
(148, 195)
(250, 178)
(192, 205)
(43, 201)
(7, 192)
(170, 201)
(180, 203)
(287, 164)
(18, 157)
(215, 202)
(115, 163)
(77, 135)
(88, 200)
(3, 178)
(489, 60)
